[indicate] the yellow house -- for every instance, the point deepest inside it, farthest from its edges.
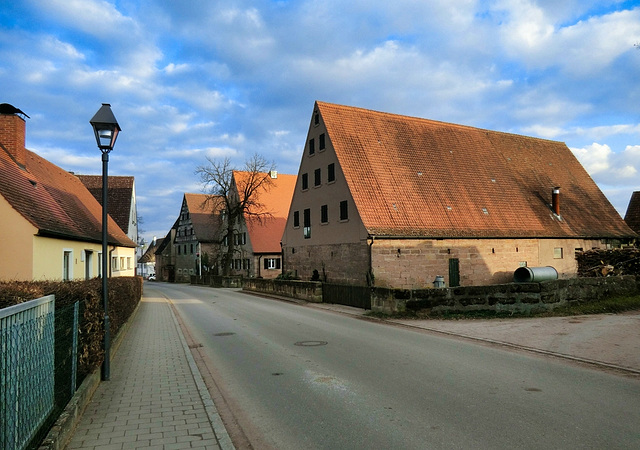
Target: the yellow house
(50, 224)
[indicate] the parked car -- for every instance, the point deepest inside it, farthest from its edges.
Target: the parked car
(152, 278)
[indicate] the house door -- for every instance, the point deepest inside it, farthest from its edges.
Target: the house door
(454, 272)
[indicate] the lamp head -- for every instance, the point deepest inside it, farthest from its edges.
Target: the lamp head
(105, 127)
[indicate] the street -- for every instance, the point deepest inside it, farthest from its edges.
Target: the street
(299, 377)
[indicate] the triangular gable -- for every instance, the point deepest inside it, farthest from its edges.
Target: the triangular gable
(632, 217)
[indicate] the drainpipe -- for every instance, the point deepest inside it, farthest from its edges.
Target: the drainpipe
(370, 280)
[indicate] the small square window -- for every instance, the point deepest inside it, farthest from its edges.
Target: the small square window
(558, 253)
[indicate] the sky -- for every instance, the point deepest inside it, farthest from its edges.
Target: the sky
(193, 79)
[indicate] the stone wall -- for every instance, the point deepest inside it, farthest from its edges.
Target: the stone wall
(337, 263)
(516, 297)
(310, 291)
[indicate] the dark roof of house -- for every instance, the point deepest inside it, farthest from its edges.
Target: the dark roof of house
(417, 177)
(119, 196)
(55, 201)
(203, 211)
(632, 217)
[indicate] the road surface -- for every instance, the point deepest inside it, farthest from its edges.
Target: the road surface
(297, 377)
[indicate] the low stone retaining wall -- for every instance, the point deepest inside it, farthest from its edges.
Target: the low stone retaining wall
(310, 291)
(218, 281)
(516, 297)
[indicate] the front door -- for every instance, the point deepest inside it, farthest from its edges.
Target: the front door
(454, 272)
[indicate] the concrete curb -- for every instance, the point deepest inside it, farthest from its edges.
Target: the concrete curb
(62, 430)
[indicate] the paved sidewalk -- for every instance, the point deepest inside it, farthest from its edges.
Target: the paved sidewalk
(156, 397)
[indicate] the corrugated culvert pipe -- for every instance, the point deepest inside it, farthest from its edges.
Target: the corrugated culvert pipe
(534, 274)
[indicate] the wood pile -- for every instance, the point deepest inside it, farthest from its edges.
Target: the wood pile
(604, 263)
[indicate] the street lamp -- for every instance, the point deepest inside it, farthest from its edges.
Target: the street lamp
(106, 128)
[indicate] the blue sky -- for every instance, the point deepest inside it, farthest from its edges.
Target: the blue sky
(187, 80)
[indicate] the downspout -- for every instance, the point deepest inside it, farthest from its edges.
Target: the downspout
(370, 277)
(259, 266)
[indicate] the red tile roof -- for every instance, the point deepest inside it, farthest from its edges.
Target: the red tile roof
(274, 198)
(417, 177)
(632, 217)
(119, 196)
(55, 201)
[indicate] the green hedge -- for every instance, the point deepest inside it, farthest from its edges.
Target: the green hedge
(124, 295)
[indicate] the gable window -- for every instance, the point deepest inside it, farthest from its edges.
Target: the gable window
(312, 146)
(324, 214)
(305, 181)
(316, 118)
(240, 239)
(191, 249)
(296, 219)
(344, 210)
(331, 172)
(307, 224)
(317, 177)
(321, 143)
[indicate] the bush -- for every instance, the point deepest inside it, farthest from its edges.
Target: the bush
(124, 295)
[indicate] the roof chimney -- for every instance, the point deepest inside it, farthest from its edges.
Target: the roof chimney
(555, 200)
(273, 174)
(12, 133)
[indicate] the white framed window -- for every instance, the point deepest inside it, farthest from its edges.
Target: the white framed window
(558, 253)
(67, 264)
(272, 263)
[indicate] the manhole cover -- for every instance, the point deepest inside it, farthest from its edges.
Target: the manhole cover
(310, 343)
(226, 333)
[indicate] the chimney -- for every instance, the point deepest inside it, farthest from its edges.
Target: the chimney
(12, 133)
(555, 200)
(273, 174)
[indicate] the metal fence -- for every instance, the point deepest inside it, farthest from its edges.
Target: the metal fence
(26, 370)
(38, 368)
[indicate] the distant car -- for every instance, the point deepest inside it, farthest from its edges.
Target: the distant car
(152, 278)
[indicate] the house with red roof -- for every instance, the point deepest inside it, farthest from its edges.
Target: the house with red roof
(257, 242)
(391, 200)
(51, 225)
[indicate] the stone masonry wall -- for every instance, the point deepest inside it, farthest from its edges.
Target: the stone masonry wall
(338, 263)
(517, 297)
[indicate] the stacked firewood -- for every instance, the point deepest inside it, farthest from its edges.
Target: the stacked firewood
(604, 263)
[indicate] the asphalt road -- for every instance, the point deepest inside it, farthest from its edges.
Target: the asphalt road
(305, 378)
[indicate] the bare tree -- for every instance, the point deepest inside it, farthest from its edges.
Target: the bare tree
(237, 197)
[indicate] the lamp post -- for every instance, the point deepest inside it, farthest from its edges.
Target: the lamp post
(106, 128)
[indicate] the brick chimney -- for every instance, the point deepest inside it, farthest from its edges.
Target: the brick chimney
(12, 136)
(555, 200)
